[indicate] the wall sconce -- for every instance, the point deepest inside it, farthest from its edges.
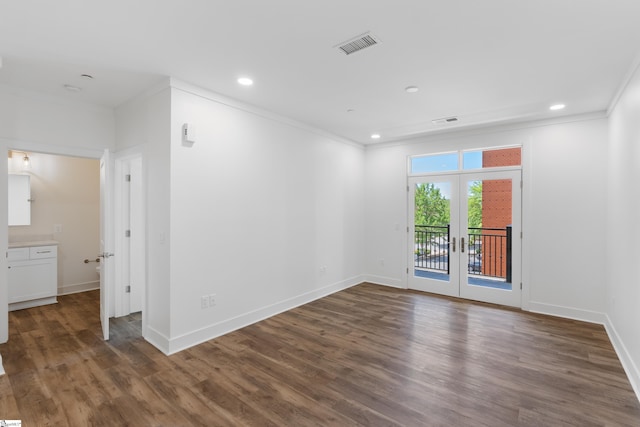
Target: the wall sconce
(26, 161)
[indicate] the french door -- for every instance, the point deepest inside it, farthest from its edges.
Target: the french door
(465, 234)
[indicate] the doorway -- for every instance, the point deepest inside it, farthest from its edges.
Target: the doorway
(465, 231)
(130, 240)
(79, 247)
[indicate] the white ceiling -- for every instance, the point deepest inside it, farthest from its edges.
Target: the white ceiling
(483, 61)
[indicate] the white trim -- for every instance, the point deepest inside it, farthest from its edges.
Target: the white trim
(157, 339)
(386, 281)
(17, 144)
(40, 96)
(218, 329)
(469, 171)
(79, 287)
(488, 129)
(232, 103)
(567, 312)
(631, 369)
(635, 66)
(1, 367)
(32, 303)
(527, 203)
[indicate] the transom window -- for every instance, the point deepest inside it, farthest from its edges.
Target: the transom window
(465, 160)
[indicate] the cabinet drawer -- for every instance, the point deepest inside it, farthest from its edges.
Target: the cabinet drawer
(17, 254)
(43, 252)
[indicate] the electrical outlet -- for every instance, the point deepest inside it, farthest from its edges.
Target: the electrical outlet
(57, 228)
(212, 300)
(204, 302)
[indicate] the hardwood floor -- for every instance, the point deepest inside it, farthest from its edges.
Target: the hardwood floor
(369, 355)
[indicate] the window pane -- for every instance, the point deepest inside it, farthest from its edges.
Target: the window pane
(482, 159)
(489, 241)
(434, 163)
(432, 229)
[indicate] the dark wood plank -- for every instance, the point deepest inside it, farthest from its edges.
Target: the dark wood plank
(369, 355)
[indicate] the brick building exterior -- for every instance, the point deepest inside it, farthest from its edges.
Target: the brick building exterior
(496, 210)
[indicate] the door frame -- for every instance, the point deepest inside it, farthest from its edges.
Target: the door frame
(516, 281)
(124, 210)
(20, 145)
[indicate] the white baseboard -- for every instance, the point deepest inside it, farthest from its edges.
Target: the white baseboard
(78, 287)
(385, 281)
(32, 303)
(158, 340)
(633, 373)
(567, 312)
(630, 368)
(207, 333)
(1, 367)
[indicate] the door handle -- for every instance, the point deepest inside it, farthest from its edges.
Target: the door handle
(462, 244)
(453, 241)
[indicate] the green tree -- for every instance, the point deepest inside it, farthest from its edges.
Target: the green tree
(475, 204)
(432, 207)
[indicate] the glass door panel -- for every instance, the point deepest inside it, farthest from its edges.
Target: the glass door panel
(490, 227)
(433, 250)
(464, 235)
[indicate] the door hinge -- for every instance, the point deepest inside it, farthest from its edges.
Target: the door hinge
(521, 184)
(127, 178)
(407, 188)
(521, 234)
(407, 270)
(127, 233)
(407, 228)
(127, 289)
(520, 285)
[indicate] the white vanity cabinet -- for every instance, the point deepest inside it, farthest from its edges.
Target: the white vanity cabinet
(33, 275)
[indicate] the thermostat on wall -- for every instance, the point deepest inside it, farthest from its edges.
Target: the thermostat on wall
(188, 133)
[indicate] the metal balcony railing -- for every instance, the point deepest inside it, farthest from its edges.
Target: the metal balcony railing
(488, 250)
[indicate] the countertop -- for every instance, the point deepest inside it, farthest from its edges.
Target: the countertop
(32, 243)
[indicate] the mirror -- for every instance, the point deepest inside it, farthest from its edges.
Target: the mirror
(19, 199)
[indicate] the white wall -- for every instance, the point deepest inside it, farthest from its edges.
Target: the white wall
(39, 119)
(66, 191)
(564, 204)
(623, 248)
(143, 126)
(265, 214)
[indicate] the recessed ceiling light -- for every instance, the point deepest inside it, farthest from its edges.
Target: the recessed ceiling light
(72, 88)
(350, 110)
(86, 76)
(411, 89)
(245, 81)
(375, 136)
(557, 107)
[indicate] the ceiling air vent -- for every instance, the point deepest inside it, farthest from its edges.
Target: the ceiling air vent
(358, 43)
(444, 120)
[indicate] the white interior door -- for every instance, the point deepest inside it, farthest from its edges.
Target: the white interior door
(465, 235)
(106, 241)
